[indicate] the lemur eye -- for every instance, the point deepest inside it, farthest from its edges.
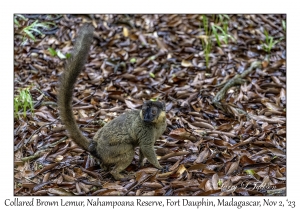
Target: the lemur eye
(154, 111)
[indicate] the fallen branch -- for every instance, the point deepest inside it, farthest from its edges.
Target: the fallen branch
(236, 80)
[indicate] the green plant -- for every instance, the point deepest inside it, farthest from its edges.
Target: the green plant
(214, 29)
(23, 101)
(219, 18)
(220, 29)
(34, 27)
(205, 25)
(269, 42)
(58, 53)
(224, 35)
(223, 17)
(283, 25)
(206, 40)
(16, 19)
(207, 46)
(52, 51)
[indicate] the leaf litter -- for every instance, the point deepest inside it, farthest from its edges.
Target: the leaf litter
(208, 148)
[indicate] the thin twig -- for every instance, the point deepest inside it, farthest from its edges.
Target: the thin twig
(43, 149)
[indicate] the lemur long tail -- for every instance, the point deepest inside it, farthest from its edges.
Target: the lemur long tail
(67, 81)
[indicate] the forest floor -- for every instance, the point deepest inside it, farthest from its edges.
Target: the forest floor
(232, 143)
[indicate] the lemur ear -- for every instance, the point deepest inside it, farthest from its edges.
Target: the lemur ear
(163, 105)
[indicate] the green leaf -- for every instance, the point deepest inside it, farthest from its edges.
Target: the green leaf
(220, 182)
(227, 17)
(205, 25)
(152, 75)
(152, 57)
(16, 22)
(250, 172)
(133, 60)
(36, 30)
(267, 35)
(29, 34)
(24, 108)
(283, 25)
(216, 34)
(21, 16)
(220, 18)
(68, 55)
(52, 51)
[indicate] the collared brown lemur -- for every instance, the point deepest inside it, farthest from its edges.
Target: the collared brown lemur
(114, 143)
